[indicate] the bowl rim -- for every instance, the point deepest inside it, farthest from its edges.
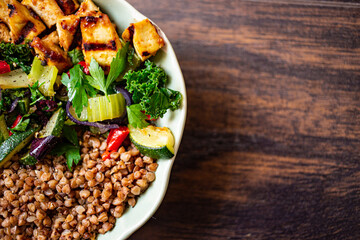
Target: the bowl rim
(169, 50)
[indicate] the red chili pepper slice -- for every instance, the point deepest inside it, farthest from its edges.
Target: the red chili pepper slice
(85, 67)
(149, 117)
(115, 139)
(4, 67)
(15, 123)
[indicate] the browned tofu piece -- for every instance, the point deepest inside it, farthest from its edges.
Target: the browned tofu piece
(22, 24)
(4, 33)
(99, 39)
(87, 7)
(67, 27)
(68, 6)
(48, 10)
(47, 50)
(4, 11)
(52, 38)
(145, 38)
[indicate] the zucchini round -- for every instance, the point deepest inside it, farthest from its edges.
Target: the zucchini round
(154, 142)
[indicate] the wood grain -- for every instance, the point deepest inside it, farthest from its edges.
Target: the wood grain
(271, 148)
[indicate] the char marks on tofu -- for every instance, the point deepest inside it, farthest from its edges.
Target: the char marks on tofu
(21, 22)
(144, 37)
(67, 28)
(48, 51)
(68, 6)
(100, 39)
(4, 33)
(47, 10)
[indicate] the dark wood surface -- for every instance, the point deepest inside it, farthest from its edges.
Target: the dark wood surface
(271, 148)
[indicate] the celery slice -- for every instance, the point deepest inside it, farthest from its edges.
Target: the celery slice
(46, 75)
(14, 79)
(100, 108)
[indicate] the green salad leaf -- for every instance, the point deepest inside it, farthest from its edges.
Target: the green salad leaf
(71, 135)
(72, 153)
(97, 78)
(148, 88)
(118, 65)
(78, 88)
(136, 118)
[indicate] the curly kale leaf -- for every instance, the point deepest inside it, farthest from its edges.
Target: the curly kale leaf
(16, 56)
(148, 88)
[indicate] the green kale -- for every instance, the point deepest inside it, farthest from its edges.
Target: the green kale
(17, 56)
(76, 56)
(148, 88)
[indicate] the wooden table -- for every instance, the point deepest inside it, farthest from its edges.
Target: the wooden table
(271, 147)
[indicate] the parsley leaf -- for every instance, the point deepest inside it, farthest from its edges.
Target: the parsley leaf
(71, 135)
(148, 88)
(72, 153)
(76, 56)
(97, 79)
(117, 66)
(136, 117)
(36, 95)
(78, 88)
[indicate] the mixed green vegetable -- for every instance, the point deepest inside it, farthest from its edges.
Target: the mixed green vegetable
(42, 113)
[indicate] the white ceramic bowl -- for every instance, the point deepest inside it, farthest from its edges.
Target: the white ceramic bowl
(122, 13)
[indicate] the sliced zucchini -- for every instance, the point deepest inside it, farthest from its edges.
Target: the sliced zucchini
(14, 144)
(154, 142)
(4, 133)
(55, 125)
(100, 108)
(46, 75)
(14, 79)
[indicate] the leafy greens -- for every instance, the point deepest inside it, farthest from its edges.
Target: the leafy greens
(16, 56)
(78, 88)
(148, 88)
(71, 149)
(76, 56)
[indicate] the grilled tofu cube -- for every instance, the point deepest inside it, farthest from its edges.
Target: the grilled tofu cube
(67, 27)
(99, 39)
(145, 38)
(52, 38)
(4, 11)
(47, 10)
(68, 6)
(22, 24)
(4, 33)
(87, 7)
(47, 50)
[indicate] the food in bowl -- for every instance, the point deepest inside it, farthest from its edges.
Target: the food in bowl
(79, 104)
